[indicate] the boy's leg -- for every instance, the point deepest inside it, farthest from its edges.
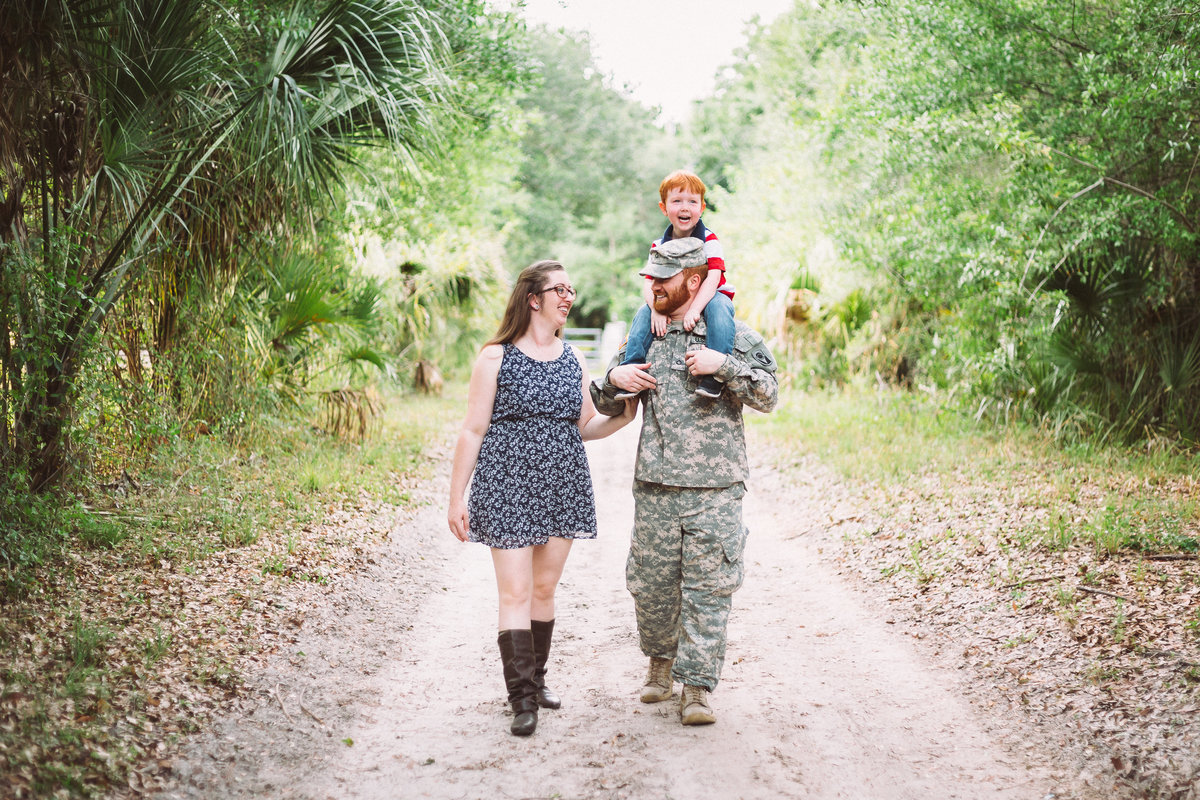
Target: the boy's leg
(637, 345)
(720, 330)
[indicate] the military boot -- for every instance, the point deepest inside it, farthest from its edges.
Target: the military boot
(693, 706)
(659, 684)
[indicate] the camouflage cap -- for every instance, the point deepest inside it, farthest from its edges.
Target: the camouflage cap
(670, 257)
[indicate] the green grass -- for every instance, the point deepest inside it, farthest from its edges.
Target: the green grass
(895, 438)
(222, 495)
(888, 437)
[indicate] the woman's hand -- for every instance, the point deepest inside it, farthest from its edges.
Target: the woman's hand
(458, 519)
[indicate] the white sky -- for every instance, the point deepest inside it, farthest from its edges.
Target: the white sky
(667, 52)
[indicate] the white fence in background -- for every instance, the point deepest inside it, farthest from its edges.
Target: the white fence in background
(598, 345)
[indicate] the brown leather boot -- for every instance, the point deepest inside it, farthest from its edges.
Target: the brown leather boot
(516, 655)
(693, 706)
(542, 633)
(659, 683)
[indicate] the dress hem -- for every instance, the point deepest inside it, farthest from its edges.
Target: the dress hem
(573, 535)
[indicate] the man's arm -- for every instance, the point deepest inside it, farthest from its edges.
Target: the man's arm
(748, 372)
(618, 376)
(754, 385)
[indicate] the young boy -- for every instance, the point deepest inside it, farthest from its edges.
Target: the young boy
(682, 200)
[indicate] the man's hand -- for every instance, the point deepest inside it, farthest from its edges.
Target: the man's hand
(632, 377)
(704, 361)
(658, 323)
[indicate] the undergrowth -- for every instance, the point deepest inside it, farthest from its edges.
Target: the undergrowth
(95, 618)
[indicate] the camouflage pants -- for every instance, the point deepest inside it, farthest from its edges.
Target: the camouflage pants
(685, 563)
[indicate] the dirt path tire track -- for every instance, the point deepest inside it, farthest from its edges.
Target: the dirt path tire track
(820, 697)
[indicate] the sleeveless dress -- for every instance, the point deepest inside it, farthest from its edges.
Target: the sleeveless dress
(532, 479)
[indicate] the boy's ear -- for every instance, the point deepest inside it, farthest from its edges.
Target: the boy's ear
(662, 206)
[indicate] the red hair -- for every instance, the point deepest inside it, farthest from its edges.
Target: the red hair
(684, 180)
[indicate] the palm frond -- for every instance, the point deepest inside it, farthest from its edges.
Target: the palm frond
(1178, 362)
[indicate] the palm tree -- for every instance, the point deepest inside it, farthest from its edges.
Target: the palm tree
(138, 133)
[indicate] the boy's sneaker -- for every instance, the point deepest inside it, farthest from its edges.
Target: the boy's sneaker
(709, 387)
(615, 392)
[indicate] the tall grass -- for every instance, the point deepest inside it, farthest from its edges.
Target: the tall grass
(1107, 496)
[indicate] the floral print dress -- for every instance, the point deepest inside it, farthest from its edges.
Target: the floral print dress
(532, 479)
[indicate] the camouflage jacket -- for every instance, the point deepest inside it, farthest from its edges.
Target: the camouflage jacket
(687, 439)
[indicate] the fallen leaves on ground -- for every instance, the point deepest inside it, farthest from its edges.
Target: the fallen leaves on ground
(113, 660)
(1103, 646)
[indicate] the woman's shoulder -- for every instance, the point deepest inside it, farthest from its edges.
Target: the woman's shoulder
(487, 363)
(579, 356)
(491, 352)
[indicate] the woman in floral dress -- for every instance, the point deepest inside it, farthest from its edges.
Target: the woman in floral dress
(521, 450)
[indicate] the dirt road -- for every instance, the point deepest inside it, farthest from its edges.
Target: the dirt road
(393, 689)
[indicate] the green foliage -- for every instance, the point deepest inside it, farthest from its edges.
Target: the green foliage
(1014, 180)
(590, 164)
(174, 141)
(447, 298)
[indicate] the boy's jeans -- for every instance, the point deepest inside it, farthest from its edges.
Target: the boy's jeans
(718, 323)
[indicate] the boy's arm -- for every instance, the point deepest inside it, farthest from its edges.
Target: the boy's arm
(707, 289)
(658, 322)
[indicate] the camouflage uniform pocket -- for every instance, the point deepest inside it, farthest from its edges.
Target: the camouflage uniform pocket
(732, 571)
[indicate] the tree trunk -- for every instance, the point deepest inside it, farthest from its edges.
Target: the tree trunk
(47, 446)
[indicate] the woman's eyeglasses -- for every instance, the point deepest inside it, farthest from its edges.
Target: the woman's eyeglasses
(561, 290)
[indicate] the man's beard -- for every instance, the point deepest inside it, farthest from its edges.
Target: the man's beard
(676, 296)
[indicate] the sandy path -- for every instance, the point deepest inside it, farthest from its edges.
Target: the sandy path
(820, 698)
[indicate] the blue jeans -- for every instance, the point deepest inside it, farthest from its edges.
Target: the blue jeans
(718, 323)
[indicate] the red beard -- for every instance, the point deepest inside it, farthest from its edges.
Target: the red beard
(676, 296)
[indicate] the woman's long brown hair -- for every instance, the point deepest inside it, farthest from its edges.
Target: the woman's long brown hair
(532, 280)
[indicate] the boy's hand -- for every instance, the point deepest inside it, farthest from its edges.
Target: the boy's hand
(691, 318)
(658, 323)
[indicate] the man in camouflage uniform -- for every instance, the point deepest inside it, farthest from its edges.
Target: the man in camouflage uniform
(685, 558)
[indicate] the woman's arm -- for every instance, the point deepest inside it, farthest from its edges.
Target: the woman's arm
(481, 397)
(592, 424)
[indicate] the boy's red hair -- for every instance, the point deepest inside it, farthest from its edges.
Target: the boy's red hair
(681, 179)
